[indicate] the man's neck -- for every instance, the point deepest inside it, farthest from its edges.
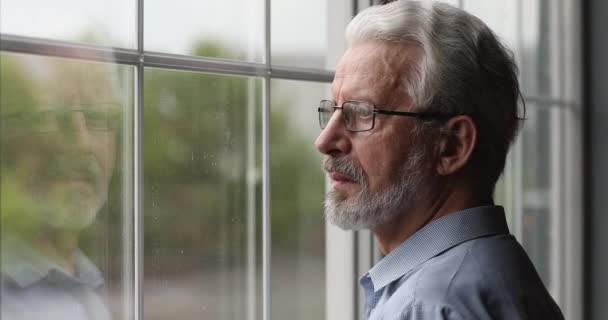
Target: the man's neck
(451, 199)
(60, 247)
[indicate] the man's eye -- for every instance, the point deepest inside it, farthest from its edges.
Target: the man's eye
(363, 112)
(102, 117)
(327, 110)
(96, 119)
(38, 121)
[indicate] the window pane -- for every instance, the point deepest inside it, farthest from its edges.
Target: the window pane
(220, 29)
(529, 187)
(298, 184)
(201, 183)
(530, 29)
(537, 220)
(501, 16)
(541, 51)
(300, 33)
(65, 192)
(110, 22)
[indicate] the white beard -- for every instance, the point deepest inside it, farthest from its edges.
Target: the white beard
(59, 200)
(366, 210)
(69, 210)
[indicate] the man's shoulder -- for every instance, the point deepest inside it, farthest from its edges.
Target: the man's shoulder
(488, 275)
(481, 264)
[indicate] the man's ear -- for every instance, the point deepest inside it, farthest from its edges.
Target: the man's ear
(456, 147)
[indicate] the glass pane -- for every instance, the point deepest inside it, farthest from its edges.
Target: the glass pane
(529, 29)
(302, 43)
(298, 184)
(219, 29)
(539, 53)
(537, 222)
(501, 16)
(65, 188)
(528, 189)
(201, 182)
(110, 22)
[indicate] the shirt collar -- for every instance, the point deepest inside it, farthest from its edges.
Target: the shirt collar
(437, 237)
(26, 266)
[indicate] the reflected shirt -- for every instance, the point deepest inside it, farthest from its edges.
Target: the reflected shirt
(33, 287)
(464, 265)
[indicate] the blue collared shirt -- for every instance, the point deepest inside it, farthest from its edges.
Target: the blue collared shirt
(464, 265)
(33, 287)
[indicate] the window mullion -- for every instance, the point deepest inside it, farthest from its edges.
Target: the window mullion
(266, 172)
(138, 231)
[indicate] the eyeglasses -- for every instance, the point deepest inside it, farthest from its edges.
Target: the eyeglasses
(98, 117)
(361, 116)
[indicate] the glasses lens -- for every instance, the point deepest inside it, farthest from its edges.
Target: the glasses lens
(358, 116)
(102, 116)
(326, 110)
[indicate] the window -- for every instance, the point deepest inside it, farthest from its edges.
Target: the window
(161, 165)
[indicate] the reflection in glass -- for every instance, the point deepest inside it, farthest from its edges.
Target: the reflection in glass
(235, 26)
(298, 191)
(202, 203)
(61, 128)
(109, 22)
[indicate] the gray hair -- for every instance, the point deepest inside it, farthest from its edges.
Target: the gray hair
(462, 68)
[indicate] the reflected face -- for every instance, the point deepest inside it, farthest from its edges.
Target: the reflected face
(62, 152)
(375, 175)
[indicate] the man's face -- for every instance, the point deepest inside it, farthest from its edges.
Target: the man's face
(62, 151)
(375, 175)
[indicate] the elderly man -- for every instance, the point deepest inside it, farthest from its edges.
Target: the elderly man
(424, 110)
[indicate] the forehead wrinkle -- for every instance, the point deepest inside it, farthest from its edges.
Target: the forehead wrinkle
(345, 73)
(371, 70)
(351, 87)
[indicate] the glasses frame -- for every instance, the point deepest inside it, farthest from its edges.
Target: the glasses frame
(63, 111)
(419, 115)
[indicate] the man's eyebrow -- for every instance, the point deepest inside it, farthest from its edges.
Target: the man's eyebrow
(362, 97)
(357, 95)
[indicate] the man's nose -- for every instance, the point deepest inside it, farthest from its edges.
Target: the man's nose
(334, 140)
(76, 131)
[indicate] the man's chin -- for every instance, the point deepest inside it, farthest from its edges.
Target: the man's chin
(343, 222)
(74, 208)
(74, 218)
(344, 192)
(341, 211)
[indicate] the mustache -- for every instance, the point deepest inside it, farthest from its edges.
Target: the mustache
(73, 166)
(345, 166)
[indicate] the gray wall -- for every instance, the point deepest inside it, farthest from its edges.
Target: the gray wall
(598, 152)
